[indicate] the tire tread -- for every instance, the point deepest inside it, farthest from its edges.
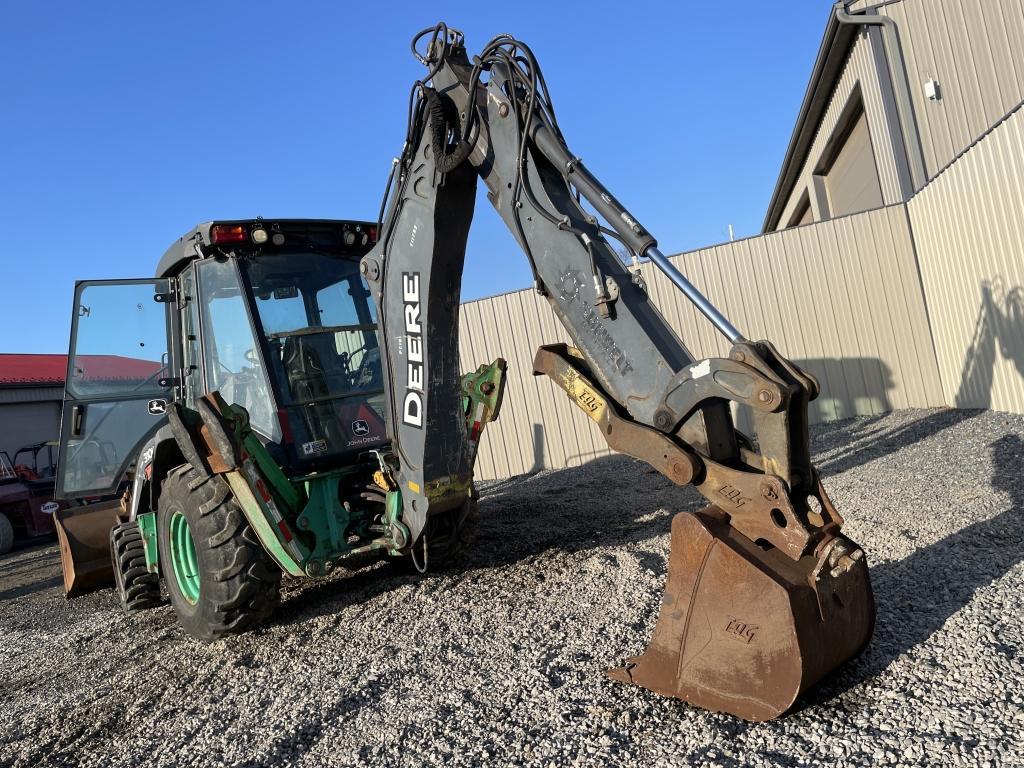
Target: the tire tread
(137, 588)
(242, 586)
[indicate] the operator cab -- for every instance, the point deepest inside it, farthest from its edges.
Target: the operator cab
(272, 314)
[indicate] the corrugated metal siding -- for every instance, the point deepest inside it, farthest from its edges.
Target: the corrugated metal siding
(538, 427)
(852, 181)
(975, 50)
(969, 231)
(842, 297)
(859, 70)
(25, 423)
(30, 394)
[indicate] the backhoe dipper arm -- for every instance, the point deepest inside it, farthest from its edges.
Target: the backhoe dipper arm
(662, 405)
(763, 595)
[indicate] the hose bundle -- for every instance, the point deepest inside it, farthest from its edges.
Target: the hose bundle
(449, 145)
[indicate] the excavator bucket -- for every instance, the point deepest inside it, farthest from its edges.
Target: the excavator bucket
(746, 630)
(84, 537)
(761, 600)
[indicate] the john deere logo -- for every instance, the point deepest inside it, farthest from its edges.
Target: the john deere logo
(156, 407)
(360, 428)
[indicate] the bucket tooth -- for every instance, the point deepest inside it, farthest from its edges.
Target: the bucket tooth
(746, 630)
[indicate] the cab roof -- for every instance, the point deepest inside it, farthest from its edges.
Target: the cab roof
(324, 234)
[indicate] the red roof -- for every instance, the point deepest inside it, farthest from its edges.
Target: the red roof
(33, 369)
(50, 369)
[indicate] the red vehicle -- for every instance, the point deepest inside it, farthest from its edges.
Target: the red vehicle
(27, 505)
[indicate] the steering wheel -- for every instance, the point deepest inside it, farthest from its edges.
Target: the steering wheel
(353, 375)
(99, 465)
(244, 377)
(368, 368)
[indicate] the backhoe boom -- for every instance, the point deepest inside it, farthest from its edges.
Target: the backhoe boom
(767, 555)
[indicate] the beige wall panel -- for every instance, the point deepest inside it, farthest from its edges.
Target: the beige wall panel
(969, 231)
(975, 50)
(865, 364)
(538, 426)
(859, 70)
(573, 431)
(841, 297)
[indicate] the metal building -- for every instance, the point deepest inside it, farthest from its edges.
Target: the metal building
(32, 393)
(891, 261)
(31, 390)
(898, 91)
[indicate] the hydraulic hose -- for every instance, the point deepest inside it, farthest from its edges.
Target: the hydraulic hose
(442, 119)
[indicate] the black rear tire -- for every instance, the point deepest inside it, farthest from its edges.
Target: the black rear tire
(6, 535)
(238, 582)
(136, 587)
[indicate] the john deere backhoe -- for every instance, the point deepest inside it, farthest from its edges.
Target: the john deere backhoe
(277, 421)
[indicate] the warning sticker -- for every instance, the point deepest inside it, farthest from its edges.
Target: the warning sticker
(703, 368)
(314, 447)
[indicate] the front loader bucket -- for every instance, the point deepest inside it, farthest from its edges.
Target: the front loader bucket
(84, 537)
(746, 630)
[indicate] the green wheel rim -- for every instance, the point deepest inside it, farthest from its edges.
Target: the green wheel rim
(183, 558)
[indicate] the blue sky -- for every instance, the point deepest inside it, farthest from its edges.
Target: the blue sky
(123, 125)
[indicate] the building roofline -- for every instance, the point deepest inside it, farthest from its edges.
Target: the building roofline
(828, 65)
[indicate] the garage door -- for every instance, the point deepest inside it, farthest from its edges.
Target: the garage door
(852, 181)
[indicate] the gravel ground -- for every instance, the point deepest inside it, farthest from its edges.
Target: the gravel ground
(503, 663)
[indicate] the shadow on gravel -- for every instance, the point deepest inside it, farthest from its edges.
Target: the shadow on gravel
(616, 500)
(867, 442)
(609, 502)
(28, 589)
(293, 743)
(917, 595)
(25, 572)
(323, 598)
(14, 564)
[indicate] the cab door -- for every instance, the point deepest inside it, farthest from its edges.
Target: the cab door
(120, 379)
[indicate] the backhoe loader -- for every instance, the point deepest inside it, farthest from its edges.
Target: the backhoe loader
(297, 400)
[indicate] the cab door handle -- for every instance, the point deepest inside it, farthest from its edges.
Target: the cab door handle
(77, 420)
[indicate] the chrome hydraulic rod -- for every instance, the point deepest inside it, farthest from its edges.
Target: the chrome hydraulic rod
(633, 234)
(709, 310)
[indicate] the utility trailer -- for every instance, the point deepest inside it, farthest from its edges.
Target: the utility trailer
(27, 503)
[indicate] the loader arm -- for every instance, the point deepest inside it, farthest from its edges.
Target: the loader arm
(770, 536)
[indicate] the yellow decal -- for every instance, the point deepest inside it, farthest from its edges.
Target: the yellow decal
(586, 397)
(414, 487)
(382, 481)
